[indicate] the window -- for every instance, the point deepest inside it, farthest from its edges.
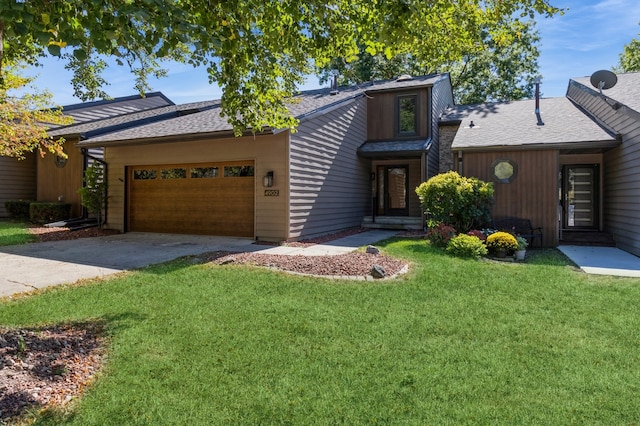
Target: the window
(144, 174)
(238, 171)
(177, 173)
(408, 115)
(504, 171)
(204, 172)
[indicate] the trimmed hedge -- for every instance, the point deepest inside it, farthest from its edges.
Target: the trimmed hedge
(18, 209)
(49, 212)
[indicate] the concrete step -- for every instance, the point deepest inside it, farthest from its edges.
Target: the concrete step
(393, 222)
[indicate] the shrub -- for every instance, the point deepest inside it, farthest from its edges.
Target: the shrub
(522, 242)
(440, 235)
(477, 233)
(462, 202)
(18, 209)
(463, 245)
(502, 240)
(49, 212)
(94, 191)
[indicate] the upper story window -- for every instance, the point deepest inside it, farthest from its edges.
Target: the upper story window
(407, 115)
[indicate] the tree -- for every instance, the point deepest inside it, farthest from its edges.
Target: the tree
(23, 117)
(257, 51)
(497, 71)
(94, 191)
(630, 57)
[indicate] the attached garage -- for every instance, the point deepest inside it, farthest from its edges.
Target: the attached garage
(195, 198)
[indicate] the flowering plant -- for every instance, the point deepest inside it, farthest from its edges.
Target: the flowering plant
(502, 240)
(477, 233)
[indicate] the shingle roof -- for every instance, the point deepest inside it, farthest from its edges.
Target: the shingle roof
(210, 121)
(626, 91)
(99, 110)
(396, 147)
(515, 124)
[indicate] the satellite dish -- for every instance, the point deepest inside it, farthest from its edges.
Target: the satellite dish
(603, 79)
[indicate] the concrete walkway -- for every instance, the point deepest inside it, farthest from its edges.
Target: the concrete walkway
(34, 266)
(603, 260)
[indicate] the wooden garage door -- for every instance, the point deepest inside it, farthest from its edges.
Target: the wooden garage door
(206, 198)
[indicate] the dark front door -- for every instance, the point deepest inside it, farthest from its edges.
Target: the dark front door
(580, 196)
(393, 182)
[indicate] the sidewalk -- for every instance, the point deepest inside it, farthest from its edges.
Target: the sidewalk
(603, 260)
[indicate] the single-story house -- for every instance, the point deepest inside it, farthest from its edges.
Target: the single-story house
(568, 164)
(355, 159)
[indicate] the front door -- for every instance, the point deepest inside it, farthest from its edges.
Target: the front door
(393, 182)
(580, 196)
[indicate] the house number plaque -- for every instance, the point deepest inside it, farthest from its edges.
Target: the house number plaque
(271, 193)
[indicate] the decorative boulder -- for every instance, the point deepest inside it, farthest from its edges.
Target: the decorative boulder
(378, 271)
(373, 250)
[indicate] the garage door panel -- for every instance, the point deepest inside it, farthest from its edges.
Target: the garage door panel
(200, 205)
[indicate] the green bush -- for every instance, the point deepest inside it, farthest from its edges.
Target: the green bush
(462, 202)
(463, 245)
(18, 209)
(49, 212)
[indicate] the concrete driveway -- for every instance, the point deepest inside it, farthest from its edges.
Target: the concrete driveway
(33, 266)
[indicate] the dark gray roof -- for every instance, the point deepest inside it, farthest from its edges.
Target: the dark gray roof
(118, 122)
(304, 105)
(99, 110)
(394, 148)
(515, 124)
(626, 90)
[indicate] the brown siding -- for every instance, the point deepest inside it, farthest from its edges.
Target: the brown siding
(621, 168)
(62, 183)
(381, 114)
(17, 180)
(330, 187)
(532, 195)
(268, 152)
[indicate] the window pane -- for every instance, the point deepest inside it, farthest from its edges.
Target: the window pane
(144, 174)
(176, 173)
(238, 171)
(204, 172)
(407, 114)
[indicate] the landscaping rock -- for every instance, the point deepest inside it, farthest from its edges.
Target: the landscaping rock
(378, 271)
(372, 250)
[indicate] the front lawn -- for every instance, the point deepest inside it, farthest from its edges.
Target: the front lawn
(12, 233)
(453, 342)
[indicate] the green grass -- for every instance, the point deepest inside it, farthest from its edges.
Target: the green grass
(12, 233)
(453, 342)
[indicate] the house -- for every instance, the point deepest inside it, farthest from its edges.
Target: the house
(18, 180)
(568, 164)
(356, 158)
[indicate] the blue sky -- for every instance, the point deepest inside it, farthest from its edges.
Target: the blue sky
(588, 37)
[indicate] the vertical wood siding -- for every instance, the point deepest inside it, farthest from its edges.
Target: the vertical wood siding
(621, 186)
(382, 113)
(62, 183)
(329, 183)
(17, 180)
(269, 153)
(532, 195)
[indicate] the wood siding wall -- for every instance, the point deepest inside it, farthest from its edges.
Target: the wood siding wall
(329, 183)
(382, 114)
(532, 195)
(621, 182)
(269, 153)
(17, 180)
(62, 183)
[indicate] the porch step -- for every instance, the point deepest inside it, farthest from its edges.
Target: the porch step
(393, 222)
(587, 238)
